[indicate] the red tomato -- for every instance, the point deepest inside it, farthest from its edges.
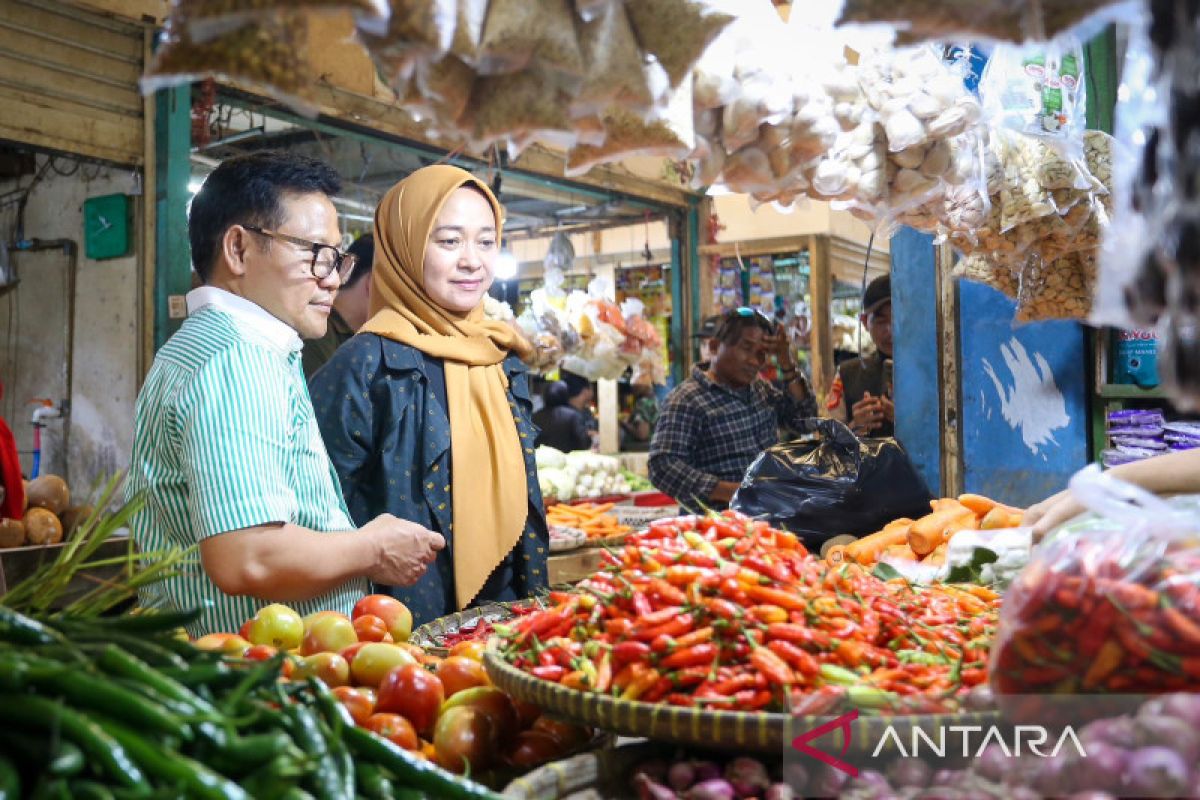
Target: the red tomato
(394, 728)
(534, 748)
(527, 713)
(260, 652)
(357, 702)
(465, 737)
(571, 736)
(469, 649)
(458, 673)
(370, 628)
(493, 702)
(414, 692)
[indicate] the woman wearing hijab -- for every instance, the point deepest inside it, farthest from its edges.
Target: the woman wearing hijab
(426, 413)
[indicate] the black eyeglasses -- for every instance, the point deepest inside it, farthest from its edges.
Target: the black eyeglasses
(326, 259)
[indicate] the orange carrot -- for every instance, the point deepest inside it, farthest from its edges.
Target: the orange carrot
(938, 556)
(868, 549)
(927, 533)
(900, 551)
(978, 503)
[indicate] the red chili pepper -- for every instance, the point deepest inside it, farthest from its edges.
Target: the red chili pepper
(667, 593)
(772, 666)
(798, 634)
(690, 676)
(772, 569)
(697, 636)
(681, 624)
(663, 643)
(629, 652)
(604, 673)
(618, 627)
(552, 672)
(641, 605)
(680, 699)
(1187, 630)
(659, 690)
(695, 655)
(752, 699)
(659, 617)
(722, 608)
(732, 685)
(684, 575)
(801, 661)
(777, 597)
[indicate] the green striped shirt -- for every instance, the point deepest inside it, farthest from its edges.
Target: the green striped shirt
(225, 438)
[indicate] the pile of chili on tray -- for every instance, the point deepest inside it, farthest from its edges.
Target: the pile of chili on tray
(724, 610)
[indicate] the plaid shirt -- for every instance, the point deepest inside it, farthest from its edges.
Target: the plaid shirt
(707, 433)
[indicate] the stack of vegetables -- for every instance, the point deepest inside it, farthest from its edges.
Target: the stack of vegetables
(594, 519)
(928, 538)
(119, 707)
(705, 611)
(578, 475)
(48, 515)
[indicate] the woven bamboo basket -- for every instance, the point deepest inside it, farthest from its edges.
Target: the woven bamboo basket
(761, 732)
(430, 634)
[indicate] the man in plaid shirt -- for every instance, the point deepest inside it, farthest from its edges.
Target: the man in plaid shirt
(714, 424)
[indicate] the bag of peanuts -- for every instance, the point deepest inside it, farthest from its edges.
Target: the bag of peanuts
(1109, 603)
(268, 54)
(209, 19)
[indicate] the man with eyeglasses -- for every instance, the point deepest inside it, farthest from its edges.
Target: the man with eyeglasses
(714, 424)
(227, 453)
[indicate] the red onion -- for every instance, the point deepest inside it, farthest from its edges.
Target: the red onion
(780, 791)
(1171, 732)
(706, 770)
(648, 789)
(711, 789)
(1157, 772)
(747, 776)
(828, 782)
(993, 763)
(905, 773)
(1117, 731)
(1092, 794)
(1184, 706)
(1102, 769)
(681, 775)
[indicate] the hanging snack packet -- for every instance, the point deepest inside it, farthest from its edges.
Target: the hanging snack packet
(209, 19)
(503, 106)
(676, 32)
(416, 31)
(628, 135)
(468, 29)
(518, 31)
(614, 73)
(268, 54)
(1038, 90)
(1059, 289)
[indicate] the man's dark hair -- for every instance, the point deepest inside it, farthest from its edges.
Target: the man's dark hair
(575, 383)
(247, 190)
(363, 251)
(556, 394)
(736, 321)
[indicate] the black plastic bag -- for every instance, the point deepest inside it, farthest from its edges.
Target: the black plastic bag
(828, 482)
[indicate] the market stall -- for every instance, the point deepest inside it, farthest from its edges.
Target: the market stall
(856, 607)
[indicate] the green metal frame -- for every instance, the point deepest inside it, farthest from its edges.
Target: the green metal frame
(1102, 81)
(173, 261)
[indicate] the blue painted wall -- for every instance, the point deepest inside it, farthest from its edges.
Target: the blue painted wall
(1024, 399)
(914, 331)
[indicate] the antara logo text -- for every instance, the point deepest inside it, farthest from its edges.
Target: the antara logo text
(949, 740)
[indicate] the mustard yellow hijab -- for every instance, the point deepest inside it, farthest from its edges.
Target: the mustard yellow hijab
(488, 481)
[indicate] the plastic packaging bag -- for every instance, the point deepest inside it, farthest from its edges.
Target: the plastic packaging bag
(267, 54)
(628, 135)
(1038, 90)
(1059, 289)
(613, 70)
(533, 102)
(818, 485)
(209, 19)
(519, 31)
(1108, 604)
(468, 29)
(416, 30)
(676, 32)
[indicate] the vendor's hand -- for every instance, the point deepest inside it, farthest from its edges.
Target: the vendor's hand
(867, 414)
(889, 409)
(723, 492)
(405, 550)
(781, 348)
(1050, 513)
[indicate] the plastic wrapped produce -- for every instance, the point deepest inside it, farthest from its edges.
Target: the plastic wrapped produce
(669, 135)
(980, 269)
(416, 31)
(533, 102)
(1123, 589)
(468, 29)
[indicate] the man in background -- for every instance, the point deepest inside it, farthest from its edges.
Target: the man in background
(861, 395)
(350, 308)
(716, 423)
